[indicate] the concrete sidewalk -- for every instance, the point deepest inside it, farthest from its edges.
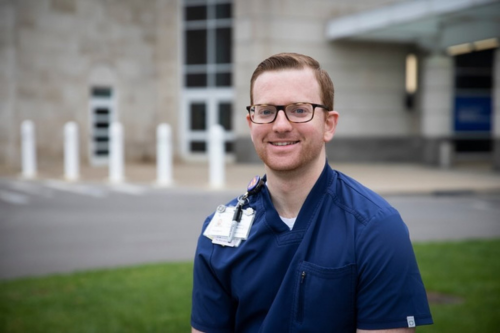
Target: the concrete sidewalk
(384, 178)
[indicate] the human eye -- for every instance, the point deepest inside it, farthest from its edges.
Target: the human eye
(264, 111)
(300, 110)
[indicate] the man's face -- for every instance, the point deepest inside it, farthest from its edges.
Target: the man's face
(286, 146)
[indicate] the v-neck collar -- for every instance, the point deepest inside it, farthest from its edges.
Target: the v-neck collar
(307, 212)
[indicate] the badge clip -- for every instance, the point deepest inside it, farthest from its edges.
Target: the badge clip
(230, 225)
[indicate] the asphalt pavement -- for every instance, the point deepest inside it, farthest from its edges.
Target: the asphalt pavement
(51, 225)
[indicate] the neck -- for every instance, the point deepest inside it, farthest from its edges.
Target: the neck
(289, 189)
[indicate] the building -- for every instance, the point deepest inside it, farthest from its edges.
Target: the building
(415, 80)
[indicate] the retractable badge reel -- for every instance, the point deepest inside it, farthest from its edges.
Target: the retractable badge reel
(230, 225)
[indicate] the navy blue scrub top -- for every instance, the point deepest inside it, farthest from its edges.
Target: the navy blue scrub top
(348, 263)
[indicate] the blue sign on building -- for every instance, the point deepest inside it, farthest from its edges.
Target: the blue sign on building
(472, 114)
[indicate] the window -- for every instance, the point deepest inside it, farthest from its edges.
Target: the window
(208, 43)
(198, 117)
(473, 105)
(101, 116)
(207, 75)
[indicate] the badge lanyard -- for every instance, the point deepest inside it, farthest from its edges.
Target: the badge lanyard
(230, 225)
(252, 188)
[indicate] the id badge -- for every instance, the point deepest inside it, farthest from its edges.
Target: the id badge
(219, 227)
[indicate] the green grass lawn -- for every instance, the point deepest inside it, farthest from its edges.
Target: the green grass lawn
(157, 298)
(469, 271)
(151, 298)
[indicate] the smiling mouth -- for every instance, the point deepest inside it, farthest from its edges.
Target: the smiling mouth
(284, 143)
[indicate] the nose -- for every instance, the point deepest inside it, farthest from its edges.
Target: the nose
(281, 123)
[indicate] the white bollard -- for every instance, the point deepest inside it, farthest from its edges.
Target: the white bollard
(71, 152)
(28, 149)
(445, 154)
(216, 156)
(164, 154)
(116, 153)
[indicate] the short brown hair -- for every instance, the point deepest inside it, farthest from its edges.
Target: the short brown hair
(283, 61)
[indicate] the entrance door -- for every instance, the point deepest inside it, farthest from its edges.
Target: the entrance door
(202, 110)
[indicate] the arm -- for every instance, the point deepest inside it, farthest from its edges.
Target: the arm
(211, 301)
(389, 279)
(395, 330)
(194, 330)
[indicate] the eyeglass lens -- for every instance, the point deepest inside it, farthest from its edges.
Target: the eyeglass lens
(294, 113)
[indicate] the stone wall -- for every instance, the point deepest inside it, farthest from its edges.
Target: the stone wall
(369, 79)
(54, 51)
(7, 82)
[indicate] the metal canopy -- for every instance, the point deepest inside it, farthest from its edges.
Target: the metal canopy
(431, 24)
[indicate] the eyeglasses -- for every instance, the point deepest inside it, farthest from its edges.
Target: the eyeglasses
(301, 112)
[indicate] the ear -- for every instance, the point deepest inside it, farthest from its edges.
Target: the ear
(250, 124)
(331, 119)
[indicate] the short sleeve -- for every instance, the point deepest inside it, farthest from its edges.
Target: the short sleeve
(391, 293)
(211, 304)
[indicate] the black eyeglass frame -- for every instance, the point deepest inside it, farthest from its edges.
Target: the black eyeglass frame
(282, 108)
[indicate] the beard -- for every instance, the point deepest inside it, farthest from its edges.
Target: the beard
(296, 160)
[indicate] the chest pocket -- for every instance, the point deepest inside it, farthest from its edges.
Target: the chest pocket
(324, 299)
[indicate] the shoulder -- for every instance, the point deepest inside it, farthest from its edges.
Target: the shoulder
(376, 222)
(358, 200)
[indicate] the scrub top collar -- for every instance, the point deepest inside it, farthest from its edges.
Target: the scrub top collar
(307, 211)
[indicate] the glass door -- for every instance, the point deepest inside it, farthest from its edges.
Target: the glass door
(202, 110)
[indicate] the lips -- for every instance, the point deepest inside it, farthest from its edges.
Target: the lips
(287, 143)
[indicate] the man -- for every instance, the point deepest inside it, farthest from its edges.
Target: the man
(324, 253)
